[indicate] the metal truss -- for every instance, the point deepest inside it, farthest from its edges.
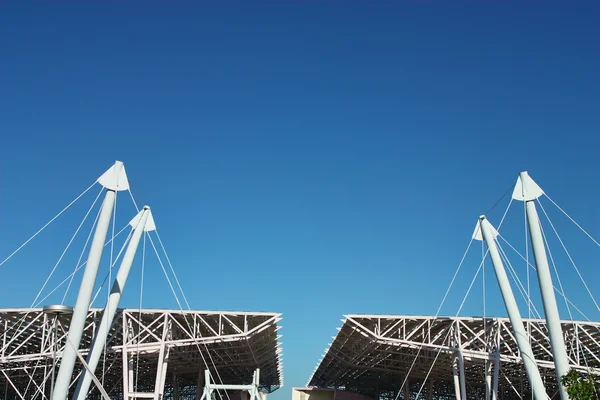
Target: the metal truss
(149, 353)
(373, 354)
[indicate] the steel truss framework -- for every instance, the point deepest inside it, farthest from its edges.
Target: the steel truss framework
(165, 352)
(372, 355)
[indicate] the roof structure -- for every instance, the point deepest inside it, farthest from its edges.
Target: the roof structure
(231, 344)
(373, 354)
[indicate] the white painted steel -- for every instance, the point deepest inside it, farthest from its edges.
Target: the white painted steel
(65, 371)
(521, 337)
(555, 332)
(93, 358)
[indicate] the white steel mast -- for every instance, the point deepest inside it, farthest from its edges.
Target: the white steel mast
(115, 179)
(143, 222)
(528, 191)
(485, 231)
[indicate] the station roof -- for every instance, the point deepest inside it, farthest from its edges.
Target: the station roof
(375, 353)
(231, 344)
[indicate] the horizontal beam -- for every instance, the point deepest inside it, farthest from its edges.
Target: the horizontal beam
(230, 387)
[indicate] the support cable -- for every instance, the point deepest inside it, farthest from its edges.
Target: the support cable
(515, 277)
(449, 330)
(127, 239)
(66, 249)
(72, 274)
(31, 378)
(569, 254)
(18, 325)
(555, 288)
(436, 315)
(448, 290)
(551, 257)
(45, 226)
(87, 241)
(186, 319)
(177, 300)
(578, 343)
(573, 221)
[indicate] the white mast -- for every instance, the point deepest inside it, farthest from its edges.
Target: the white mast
(143, 222)
(528, 191)
(485, 231)
(115, 179)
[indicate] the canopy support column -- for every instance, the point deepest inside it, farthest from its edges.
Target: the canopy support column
(528, 191)
(485, 231)
(496, 376)
(456, 379)
(108, 316)
(114, 179)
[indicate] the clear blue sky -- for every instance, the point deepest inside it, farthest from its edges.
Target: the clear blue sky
(310, 158)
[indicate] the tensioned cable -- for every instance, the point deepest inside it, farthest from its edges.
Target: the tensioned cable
(42, 385)
(502, 198)
(550, 255)
(572, 220)
(73, 273)
(588, 235)
(449, 330)
(133, 199)
(517, 280)
(521, 290)
(33, 306)
(515, 277)
(18, 325)
(436, 315)
(448, 290)
(127, 239)
(31, 378)
(172, 269)
(185, 318)
(578, 343)
(68, 245)
(178, 302)
(185, 298)
(80, 225)
(46, 225)
(87, 241)
(103, 393)
(559, 281)
(555, 288)
(569, 256)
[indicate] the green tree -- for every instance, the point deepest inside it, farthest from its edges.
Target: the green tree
(581, 386)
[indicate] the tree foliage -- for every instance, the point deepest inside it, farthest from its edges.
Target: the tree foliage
(581, 386)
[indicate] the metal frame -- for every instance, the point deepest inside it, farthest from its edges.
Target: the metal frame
(372, 355)
(210, 386)
(164, 350)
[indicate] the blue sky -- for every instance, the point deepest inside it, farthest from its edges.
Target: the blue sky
(310, 158)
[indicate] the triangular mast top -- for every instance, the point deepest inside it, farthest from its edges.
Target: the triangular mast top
(477, 234)
(115, 178)
(149, 225)
(526, 189)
